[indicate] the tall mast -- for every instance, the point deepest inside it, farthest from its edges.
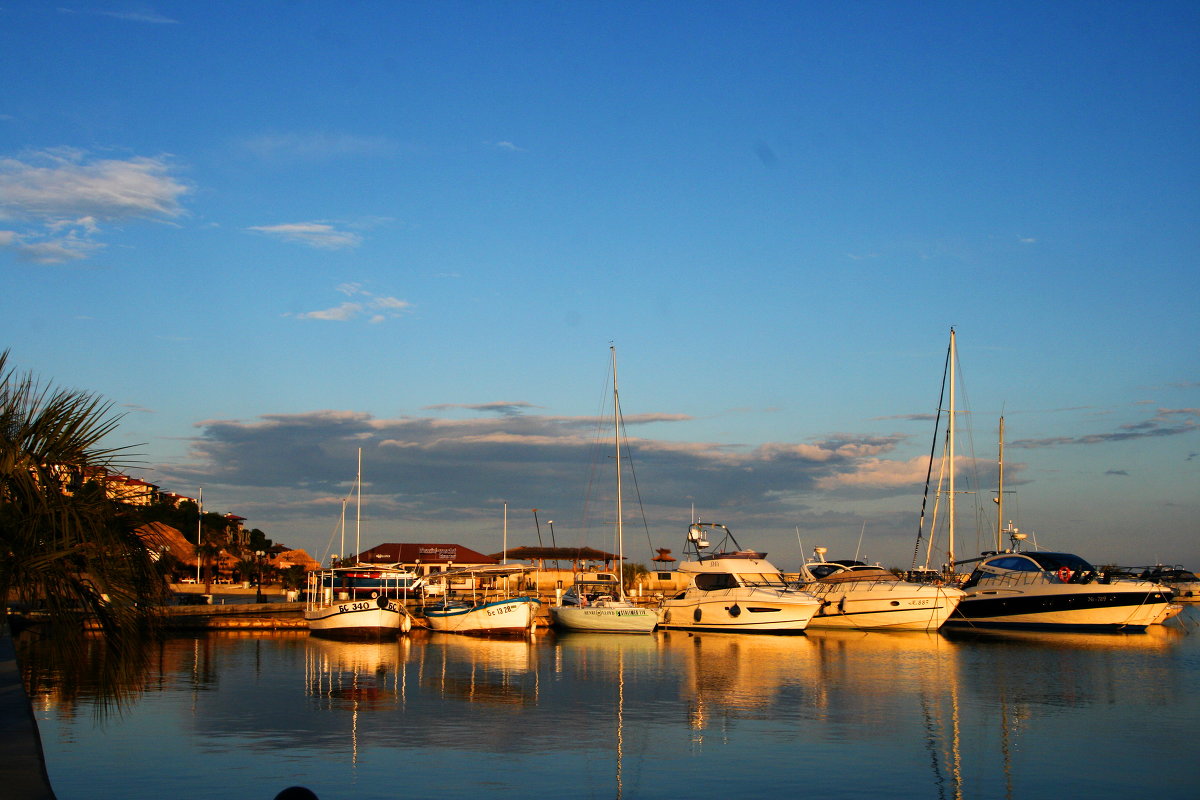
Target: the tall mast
(620, 506)
(1000, 492)
(950, 505)
(358, 511)
(342, 551)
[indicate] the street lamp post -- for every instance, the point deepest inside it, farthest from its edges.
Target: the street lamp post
(258, 569)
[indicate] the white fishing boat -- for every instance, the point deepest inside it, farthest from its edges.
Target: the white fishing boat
(358, 600)
(598, 603)
(857, 596)
(334, 608)
(738, 590)
(491, 609)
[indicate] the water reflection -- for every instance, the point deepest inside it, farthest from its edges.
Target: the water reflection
(480, 670)
(839, 713)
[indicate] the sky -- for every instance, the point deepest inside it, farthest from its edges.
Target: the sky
(274, 233)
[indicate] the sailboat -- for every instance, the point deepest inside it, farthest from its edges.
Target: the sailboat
(359, 600)
(1038, 589)
(597, 602)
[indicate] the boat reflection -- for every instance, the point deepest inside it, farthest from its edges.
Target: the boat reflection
(1154, 638)
(613, 663)
(355, 675)
(480, 670)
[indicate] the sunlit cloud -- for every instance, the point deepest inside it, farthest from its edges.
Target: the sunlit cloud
(61, 200)
(375, 308)
(322, 235)
(439, 467)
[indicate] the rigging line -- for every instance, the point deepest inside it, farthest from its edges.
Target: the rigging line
(598, 451)
(637, 490)
(932, 450)
(974, 482)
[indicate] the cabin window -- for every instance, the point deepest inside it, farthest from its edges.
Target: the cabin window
(1015, 563)
(664, 576)
(716, 580)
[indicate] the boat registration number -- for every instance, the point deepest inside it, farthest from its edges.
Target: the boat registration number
(364, 605)
(500, 610)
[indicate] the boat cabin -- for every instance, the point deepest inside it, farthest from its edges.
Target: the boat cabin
(1031, 567)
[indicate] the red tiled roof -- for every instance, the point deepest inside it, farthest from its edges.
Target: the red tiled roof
(410, 553)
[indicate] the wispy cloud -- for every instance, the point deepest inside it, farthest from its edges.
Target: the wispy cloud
(319, 145)
(375, 308)
(1165, 422)
(322, 235)
(505, 409)
(142, 14)
(509, 146)
(60, 200)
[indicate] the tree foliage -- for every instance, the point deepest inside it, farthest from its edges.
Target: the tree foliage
(65, 548)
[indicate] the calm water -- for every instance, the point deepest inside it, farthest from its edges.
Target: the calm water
(671, 715)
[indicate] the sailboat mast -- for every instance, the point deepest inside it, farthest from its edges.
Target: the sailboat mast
(620, 506)
(1000, 492)
(950, 504)
(342, 550)
(358, 511)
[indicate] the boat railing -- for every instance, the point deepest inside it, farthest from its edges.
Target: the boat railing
(858, 584)
(1015, 579)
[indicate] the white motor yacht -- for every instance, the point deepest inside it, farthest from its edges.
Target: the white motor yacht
(734, 590)
(1055, 591)
(856, 596)
(1184, 584)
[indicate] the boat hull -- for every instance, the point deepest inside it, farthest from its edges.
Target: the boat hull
(616, 618)
(740, 610)
(513, 617)
(1124, 605)
(356, 619)
(883, 606)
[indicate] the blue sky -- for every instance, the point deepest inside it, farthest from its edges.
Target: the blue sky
(272, 233)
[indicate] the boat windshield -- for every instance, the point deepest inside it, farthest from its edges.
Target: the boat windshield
(712, 581)
(773, 579)
(1052, 562)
